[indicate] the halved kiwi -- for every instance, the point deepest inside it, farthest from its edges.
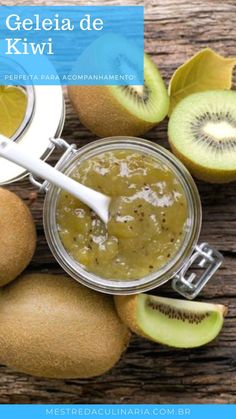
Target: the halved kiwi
(202, 133)
(177, 323)
(122, 110)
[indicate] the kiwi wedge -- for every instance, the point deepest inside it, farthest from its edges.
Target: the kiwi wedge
(122, 110)
(51, 326)
(202, 133)
(18, 236)
(176, 323)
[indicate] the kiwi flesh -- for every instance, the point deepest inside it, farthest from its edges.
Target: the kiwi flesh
(18, 236)
(176, 323)
(122, 110)
(202, 133)
(51, 326)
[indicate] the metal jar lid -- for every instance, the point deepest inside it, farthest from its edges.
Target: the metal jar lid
(44, 119)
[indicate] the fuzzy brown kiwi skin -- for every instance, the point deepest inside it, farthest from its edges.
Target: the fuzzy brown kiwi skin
(18, 236)
(53, 327)
(101, 113)
(126, 307)
(204, 173)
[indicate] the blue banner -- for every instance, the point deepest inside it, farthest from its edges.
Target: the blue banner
(117, 411)
(86, 45)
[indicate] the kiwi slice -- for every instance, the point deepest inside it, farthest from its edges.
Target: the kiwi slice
(177, 323)
(202, 133)
(122, 110)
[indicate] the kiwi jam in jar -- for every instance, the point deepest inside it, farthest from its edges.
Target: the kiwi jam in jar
(148, 215)
(162, 243)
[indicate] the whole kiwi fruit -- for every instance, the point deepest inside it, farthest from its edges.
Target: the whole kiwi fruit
(18, 236)
(51, 326)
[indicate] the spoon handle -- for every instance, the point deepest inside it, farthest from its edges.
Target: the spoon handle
(95, 200)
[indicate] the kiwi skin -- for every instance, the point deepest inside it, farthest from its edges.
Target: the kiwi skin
(126, 307)
(51, 326)
(204, 173)
(18, 236)
(101, 113)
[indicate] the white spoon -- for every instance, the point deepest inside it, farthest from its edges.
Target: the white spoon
(97, 201)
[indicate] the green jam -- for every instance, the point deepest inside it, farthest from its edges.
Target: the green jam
(148, 215)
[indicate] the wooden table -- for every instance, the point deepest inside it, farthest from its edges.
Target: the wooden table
(148, 373)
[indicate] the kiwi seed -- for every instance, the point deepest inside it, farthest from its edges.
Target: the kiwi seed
(199, 125)
(179, 314)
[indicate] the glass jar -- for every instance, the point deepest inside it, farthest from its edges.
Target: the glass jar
(176, 269)
(44, 119)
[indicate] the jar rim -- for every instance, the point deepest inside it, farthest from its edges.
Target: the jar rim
(156, 278)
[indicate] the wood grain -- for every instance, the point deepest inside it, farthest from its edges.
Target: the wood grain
(149, 373)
